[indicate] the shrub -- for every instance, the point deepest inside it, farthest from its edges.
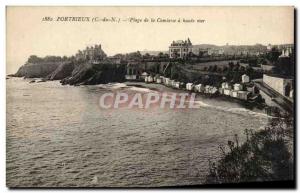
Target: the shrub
(265, 156)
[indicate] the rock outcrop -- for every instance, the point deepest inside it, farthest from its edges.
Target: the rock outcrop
(36, 70)
(74, 72)
(102, 73)
(62, 71)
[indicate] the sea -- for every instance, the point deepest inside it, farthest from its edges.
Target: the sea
(58, 136)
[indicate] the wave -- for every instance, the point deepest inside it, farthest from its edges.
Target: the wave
(112, 85)
(141, 89)
(238, 110)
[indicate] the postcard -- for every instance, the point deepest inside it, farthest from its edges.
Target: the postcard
(150, 97)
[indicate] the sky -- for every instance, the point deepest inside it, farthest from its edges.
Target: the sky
(27, 34)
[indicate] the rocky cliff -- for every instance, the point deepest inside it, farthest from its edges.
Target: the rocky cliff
(37, 70)
(87, 73)
(62, 71)
(74, 72)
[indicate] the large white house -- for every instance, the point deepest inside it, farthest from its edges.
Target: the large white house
(180, 49)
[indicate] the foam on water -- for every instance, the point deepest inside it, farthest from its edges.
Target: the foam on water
(112, 85)
(139, 89)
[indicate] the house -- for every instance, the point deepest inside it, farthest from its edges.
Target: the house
(131, 72)
(237, 87)
(180, 49)
(189, 86)
(245, 78)
(92, 54)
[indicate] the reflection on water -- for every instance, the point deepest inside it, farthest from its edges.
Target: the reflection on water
(57, 136)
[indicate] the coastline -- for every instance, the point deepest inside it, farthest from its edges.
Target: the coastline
(213, 101)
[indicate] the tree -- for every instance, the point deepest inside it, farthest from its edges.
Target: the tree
(230, 65)
(214, 68)
(273, 55)
(160, 55)
(225, 68)
(284, 66)
(264, 156)
(34, 59)
(147, 55)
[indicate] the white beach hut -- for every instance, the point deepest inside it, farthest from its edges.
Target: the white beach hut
(189, 86)
(227, 92)
(158, 80)
(237, 87)
(245, 78)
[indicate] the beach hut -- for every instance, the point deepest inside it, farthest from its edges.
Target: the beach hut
(213, 90)
(223, 85)
(176, 84)
(181, 85)
(245, 78)
(163, 79)
(237, 87)
(252, 88)
(167, 81)
(144, 75)
(172, 83)
(234, 94)
(150, 78)
(158, 80)
(189, 86)
(226, 85)
(221, 90)
(207, 89)
(227, 92)
(243, 95)
(199, 88)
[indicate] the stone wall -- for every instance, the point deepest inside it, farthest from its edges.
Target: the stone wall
(278, 84)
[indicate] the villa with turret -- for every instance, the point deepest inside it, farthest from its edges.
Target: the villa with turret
(180, 49)
(92, 54)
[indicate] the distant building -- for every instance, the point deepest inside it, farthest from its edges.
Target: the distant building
(286, 52)
(269, 47)
(92, 54)
(180, 49)
(215, 51)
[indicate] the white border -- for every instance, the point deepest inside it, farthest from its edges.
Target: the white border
(4, 3)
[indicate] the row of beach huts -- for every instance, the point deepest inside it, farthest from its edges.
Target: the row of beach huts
(242, 91)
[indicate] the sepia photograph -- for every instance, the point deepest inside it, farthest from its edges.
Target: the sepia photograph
(150, 96)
